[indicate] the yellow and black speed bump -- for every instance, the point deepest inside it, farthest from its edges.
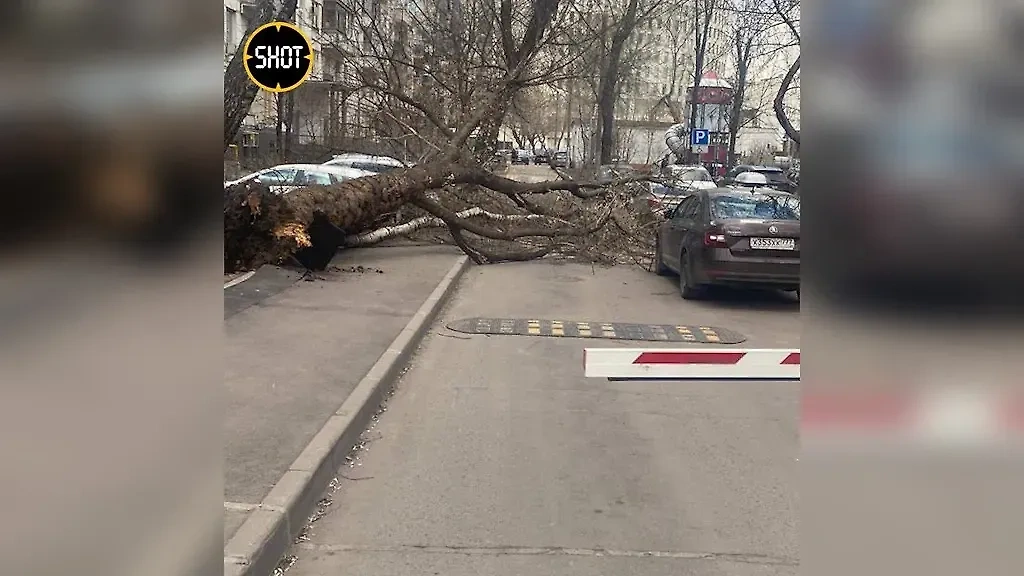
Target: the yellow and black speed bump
(605, 330)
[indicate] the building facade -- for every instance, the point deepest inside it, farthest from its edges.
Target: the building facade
(325, 114)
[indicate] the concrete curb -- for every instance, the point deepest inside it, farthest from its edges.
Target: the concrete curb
(267, 534)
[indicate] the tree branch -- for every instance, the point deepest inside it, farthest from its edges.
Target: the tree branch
(780, 102)
(451, 218)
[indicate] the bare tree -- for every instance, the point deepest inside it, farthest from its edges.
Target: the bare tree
(614, 62)
(451, 100)
(678, 17)
(239, 91)
(704, 12)
(610, 75)
(750, 22)
(788, 11)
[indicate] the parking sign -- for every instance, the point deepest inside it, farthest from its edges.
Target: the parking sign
(700, 138)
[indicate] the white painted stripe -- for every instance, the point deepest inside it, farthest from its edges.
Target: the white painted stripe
(240, 279)
(240, 506)
(755, 363)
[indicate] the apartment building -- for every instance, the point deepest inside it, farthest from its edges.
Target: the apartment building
(324, 111)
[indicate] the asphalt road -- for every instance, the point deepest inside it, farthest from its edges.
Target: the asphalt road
(497, 457)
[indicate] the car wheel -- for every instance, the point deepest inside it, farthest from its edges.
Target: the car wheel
(687, 289)
(659, 265)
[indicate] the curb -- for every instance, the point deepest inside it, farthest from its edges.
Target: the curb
(267, 534)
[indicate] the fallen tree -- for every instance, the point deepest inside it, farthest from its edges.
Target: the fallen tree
(490, 217)
(311, 223)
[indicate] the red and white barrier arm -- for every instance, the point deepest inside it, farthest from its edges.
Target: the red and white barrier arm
(692, 363)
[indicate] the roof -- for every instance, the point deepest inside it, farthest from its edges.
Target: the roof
(711, 80)
(357, 157)
(346, 171)
(746, 191)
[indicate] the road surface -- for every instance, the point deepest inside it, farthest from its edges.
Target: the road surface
(497, 457)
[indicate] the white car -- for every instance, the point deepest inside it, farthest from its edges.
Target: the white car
(368, 162)
(688, 177)
(287, 177)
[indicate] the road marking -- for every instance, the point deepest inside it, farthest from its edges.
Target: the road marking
(239, 280)
(533, 327)
(591, 330)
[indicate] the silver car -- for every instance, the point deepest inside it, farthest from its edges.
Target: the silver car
(287, 177)
(368, 162)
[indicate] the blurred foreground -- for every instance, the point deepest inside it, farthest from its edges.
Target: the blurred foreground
(109, 353)
(912, 423)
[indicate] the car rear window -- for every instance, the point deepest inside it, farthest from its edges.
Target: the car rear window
(774, 175)
(762, 206)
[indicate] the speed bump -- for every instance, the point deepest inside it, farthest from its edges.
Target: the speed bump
(562, 328)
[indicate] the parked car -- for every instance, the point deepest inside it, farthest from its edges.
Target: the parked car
(522, 157)
(660, 199)
(690, 177)
(776, 176)
(724, 236)
(541, 156)
(287, 177)
(560, 159)
(607, 173)
(368, 162)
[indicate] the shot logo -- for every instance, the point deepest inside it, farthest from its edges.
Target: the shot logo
(278, 57)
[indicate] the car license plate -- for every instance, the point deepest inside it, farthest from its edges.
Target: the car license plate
(772, 244)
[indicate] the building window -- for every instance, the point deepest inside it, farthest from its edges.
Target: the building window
(334, 16)
(230, 18)
(315, 15)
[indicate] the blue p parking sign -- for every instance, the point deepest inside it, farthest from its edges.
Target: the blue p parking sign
(700, 138)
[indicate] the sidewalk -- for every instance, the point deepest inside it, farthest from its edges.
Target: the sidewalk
(296, 350)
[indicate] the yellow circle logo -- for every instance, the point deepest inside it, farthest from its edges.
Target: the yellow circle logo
(278, 57)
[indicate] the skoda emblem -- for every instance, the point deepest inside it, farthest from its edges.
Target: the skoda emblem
(773, 229)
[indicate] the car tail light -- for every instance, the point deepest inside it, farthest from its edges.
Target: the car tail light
(714, 238)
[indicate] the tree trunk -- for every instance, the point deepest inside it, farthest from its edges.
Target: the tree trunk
(703, 14)
(239, 91)
(608, 91)
(290, 125)
(279, 126)
(743, 49)
(313, 222)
